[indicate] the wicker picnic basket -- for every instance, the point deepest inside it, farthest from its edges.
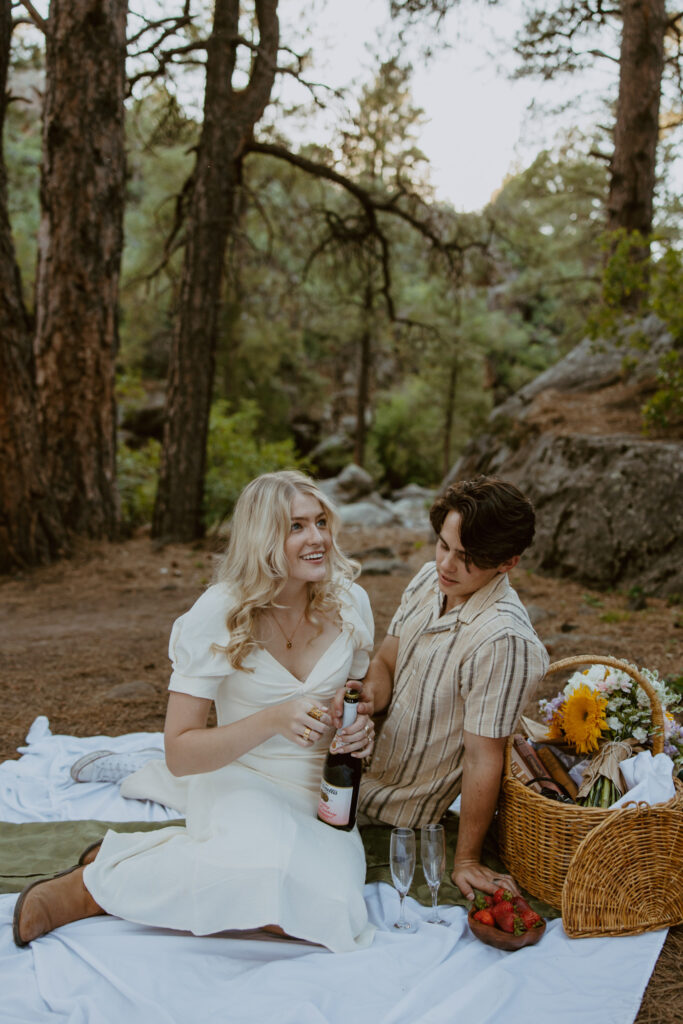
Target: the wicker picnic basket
(610, 872)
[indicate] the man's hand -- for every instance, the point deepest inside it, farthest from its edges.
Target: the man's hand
(366, 705)
(471, 875)
(375, 689)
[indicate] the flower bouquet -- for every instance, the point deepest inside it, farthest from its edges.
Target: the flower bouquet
(602, 707)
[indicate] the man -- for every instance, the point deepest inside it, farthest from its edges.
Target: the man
(455, 671)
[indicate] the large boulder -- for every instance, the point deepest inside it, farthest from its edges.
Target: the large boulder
(354, 483)
(609, 504)
(610, 509)
(372, 512)
(413, 510)
(361, 505)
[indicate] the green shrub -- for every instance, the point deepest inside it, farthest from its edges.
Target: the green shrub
(665, 407)
(137, 472)
(655, 285)
(235, 455)
(406, 434)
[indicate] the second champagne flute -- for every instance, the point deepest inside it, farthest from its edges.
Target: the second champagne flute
(433, 853)
(402, 862)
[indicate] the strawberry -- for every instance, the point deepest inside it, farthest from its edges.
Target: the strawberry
(506, 918)
(518, 927)
(530, 919)
(486, 917)
(502, 894)
(482, 900)
(520, 904)
(503, 910)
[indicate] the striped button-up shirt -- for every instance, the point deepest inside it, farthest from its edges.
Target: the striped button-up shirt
(473, 668)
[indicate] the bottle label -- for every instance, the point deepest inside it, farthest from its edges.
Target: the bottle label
(335, 803)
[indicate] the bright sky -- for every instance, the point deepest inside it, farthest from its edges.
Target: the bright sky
(478, 127)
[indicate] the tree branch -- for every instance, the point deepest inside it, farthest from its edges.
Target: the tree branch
(174, 25)
(164, 59)
(257, 93)
(36, 18)
(370, 204)
(601, 53)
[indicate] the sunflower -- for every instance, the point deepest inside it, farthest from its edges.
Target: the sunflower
(583, 718)
(555, 727)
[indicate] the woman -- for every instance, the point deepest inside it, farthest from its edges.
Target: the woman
(270, 643)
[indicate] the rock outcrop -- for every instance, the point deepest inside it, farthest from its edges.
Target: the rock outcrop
(361, 505)
(609, 501)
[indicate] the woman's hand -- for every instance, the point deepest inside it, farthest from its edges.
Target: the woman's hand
(302, 721)
(357, 739)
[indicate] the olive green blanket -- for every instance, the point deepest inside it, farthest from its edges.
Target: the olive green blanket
(31, 850)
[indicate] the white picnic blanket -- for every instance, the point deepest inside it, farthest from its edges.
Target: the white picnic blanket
(105, 971)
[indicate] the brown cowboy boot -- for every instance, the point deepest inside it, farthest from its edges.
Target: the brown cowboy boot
(89, 854)
(50, 903)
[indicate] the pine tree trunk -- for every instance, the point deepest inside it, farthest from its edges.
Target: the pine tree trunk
(363, 383)
(637, 125)
(80, 243)
(452, 384)
(229, 117)
(449, 415)
(30, 528)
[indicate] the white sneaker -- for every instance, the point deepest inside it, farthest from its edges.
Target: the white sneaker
(107, 766)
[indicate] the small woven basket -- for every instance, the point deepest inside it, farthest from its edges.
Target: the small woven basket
(610, 872)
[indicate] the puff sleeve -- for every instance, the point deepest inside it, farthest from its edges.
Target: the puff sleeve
(363, 631)
(197, 668)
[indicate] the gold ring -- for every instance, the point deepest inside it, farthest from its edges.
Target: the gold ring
(367, 729)
(316, 713)
(307, 732)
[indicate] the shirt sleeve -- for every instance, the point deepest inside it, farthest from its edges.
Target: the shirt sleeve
(498, 681)
(198, 669)
(363, 634)
(407, 599)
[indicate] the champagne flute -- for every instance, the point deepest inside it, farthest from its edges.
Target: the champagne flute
(402, 861)
(433, 853)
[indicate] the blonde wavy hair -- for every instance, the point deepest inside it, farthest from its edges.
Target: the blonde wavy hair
(255, 567)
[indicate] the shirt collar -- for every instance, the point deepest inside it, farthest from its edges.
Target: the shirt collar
(478, 602)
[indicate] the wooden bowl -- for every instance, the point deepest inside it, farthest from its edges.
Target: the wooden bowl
(503, 940)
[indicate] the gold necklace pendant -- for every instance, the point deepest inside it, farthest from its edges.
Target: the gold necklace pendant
(288, 639)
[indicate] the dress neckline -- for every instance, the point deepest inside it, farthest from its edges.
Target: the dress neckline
(302, 682)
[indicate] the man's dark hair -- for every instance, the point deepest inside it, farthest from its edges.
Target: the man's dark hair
(496, 520)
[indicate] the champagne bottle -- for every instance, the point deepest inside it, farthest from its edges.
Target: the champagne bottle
(341, 777)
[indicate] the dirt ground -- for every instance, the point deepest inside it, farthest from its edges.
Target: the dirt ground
(84, 642)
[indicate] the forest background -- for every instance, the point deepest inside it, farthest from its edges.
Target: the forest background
(190, 301)
(190, 296)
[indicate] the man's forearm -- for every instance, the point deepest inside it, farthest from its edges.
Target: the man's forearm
(482, 770)
(479, 794)
(378, 684)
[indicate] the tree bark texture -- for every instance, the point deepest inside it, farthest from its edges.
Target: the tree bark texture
(30, 528)
(79, 257)
(637, 125)
(449, 415)
(363, 379)
(229, 118)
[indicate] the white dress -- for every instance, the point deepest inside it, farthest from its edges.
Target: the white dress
(252, 851)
